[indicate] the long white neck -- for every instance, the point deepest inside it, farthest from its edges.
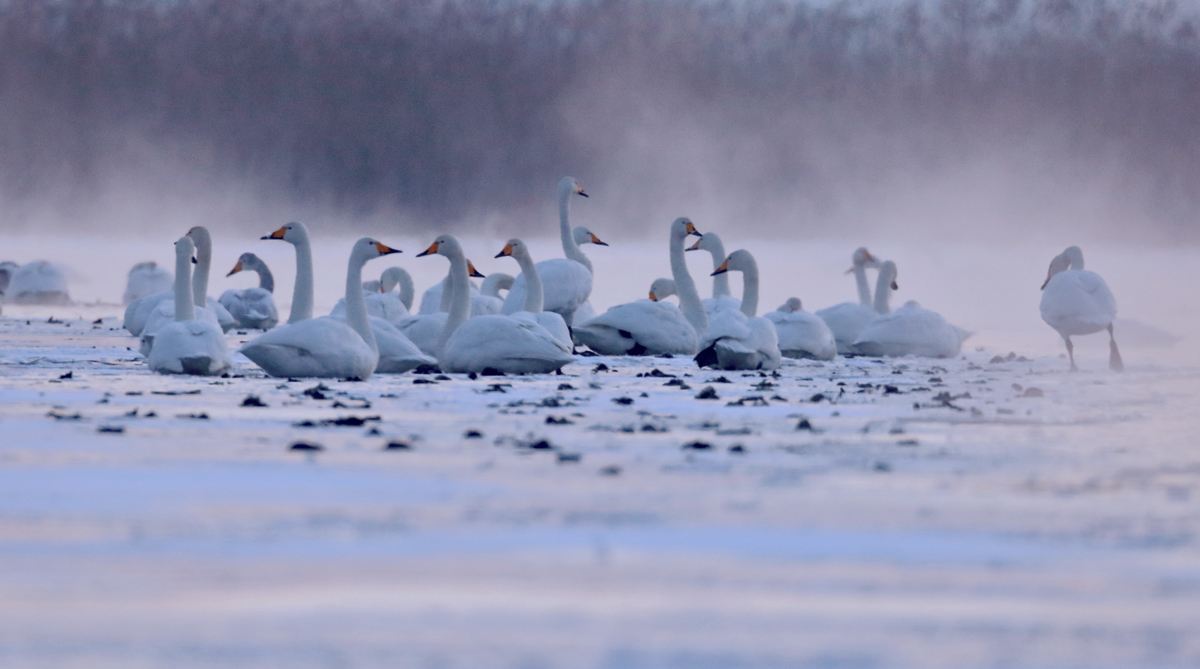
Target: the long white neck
(494, 283)
(689, 297)
(570, 248)
(720, 281)
(460, 301)
(302, 296)
(750, 288)
(883, 291)
(406, 288)
(533, 282)
(265, 280)
(203, 243)
(356, 304)
(864, 288)
(185, 309)
(448, 284)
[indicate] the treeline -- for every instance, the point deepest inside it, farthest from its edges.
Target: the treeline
(437, 110)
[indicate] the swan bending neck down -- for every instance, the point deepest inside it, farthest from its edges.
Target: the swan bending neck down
(325, 347)
(740, 339)
(188, 345)
(514, 343)
(397, 276)
(296, 234)
(1076, 301)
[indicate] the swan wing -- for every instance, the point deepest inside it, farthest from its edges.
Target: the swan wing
(190, 347)
(649, 327)
(512, 344)
(846, 321)
(317, 347)
(803, 335)
(910, 330)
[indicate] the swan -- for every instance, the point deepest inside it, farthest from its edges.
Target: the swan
(722, 298)
(567, 282)
(139, 311)
(146, 278)
(909, 330)
(801, 334)
(38, 282)
(847, 319)
(396, 276)
(737, 338)
(324, 347)
(436, 298)
(514, 343)
(652, 327)
(1076, 301)
(252, 307)
(494, 283)
(554, 324)
(382, 303)
(582, 236)
(425, 330)
(188, 345)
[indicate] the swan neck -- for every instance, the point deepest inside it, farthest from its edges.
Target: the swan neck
(185, 308)
(534, 298)
(200, 277)
(750, 290)
(864, 288)
(689, 298)
(302, 296)
(356, 304)
(460, 301)
(266, 280)
(883, 292)
(406, 289)
(720, 281)
(570, 248)
(447, 290)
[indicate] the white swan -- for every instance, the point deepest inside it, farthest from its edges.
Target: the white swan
(554, 324)
(801, 334)
(382, 303)
(252, 307)
(567, 282)
(324, 347)
(436, 298)
(909, 330)
(38, 282)
(722, 298)
(652, 327)
(188, 345)
(514, 343)
(146, 278)
(582, 235)
(738, 338)
(138, 313)
(1076, 301)
(397, 276)
(847, 319)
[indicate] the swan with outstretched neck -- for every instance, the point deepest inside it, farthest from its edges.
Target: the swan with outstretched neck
(739, 338)
(567, 282)
(721, 298)
(252, 307)
(188, 345)
(514, 343)
(323, 347)
(846, 320)
(650, 326)
(1076, 301)
(146, 315)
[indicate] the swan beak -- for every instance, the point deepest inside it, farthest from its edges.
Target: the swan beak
(693, 247)
(278, 234)
(506, 251)
(691, 229)
(433, 248)
(895, 286)
(384, 249)
(1044, 283)
(579, 189)
(653, 297)
(722, 269)
(236, 268)
(194, 261)
(474, 273)
(597, 242)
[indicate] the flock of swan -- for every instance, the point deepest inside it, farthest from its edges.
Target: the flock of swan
(545, 314)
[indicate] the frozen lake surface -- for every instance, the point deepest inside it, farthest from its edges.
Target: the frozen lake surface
(933, 513)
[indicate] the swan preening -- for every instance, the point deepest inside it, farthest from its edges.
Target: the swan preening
(188, 345)
(739, 338)
(1076, 301)
(252, 307)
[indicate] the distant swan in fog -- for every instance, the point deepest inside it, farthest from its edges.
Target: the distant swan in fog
(146, 278)
(188, 345)
(1076, 301)
(252, 307)
(847, 319)
(909, 330)
(801, 334)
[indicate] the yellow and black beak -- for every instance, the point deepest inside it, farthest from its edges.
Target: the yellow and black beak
(433, 248)
(895, 286)
(653, 297)
(278, 234)
(691, 229)
(579, 189)
(474, 273)
(597, 242)
(722, 269)
(506, 251)
(384, 249)
(236, 268)
(694, 247)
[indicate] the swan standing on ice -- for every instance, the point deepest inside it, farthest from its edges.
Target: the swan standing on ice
(1076, 301)
(323, 347)
(514, 343)
(188, 345)
(252, 307)
(721, 297)
(651, 327)
(801, 334)
(738, 339)
(567, 282)
(909, 330)
(847, 319)
(146, 278)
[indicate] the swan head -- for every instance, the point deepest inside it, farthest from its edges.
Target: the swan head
(368, 249)
(710, 242)
(887, 272)
(568, 186)
(1075, 255)
(1061, 263)
(682, 227)
(444, 245)
(584, 236)
(514, 248)
(791, 306)
(862, 258)
(185, 248)
(662, 288)
(291, 233)
(245, 262)
(740, 260)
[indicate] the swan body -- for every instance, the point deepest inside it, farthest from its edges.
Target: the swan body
(38, 282)
(910, 330)
(847, 319)
(514, 343)
(252, 307)
(164, 315)
(146, 278)
(566, 282)
(322, 347)
(801, 334)
(1076, 301)
(397, 353)
(437, 297)
(737, 338)
(188, 345)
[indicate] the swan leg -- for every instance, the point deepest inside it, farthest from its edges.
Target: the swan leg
(1071, 353)
(1114, 356)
